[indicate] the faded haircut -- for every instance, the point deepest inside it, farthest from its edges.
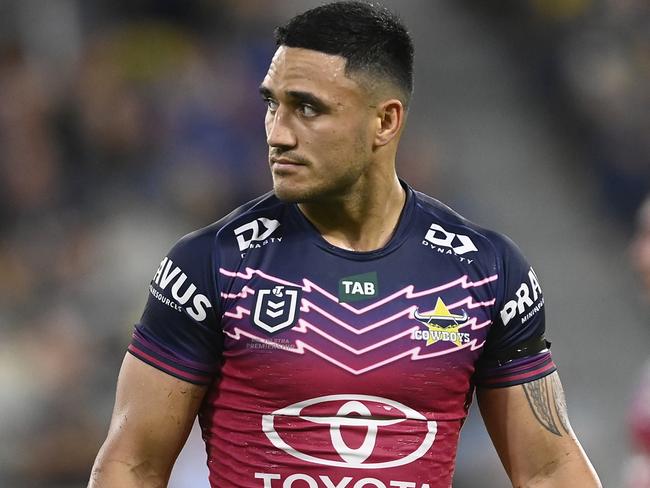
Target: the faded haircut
(371, 38)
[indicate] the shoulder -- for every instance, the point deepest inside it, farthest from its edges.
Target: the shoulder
(450, 228)
(194, 258)
(253, 218)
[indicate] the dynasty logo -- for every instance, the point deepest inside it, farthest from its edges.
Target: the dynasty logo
(256, 234)
(445, 242)
(442, 325)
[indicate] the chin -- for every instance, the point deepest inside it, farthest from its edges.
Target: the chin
(288, 194)
(309, 192)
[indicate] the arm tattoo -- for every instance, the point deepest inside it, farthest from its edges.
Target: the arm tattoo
(546, 399)
(560, 402)
(538, 398)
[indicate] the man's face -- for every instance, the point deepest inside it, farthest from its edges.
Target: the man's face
(319, 126)
(641, 247)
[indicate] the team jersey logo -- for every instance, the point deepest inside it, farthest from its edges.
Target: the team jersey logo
(442, 325)
(528, 300)
(369, 415)
(445, 242)
(358, 287)
(459, 243)
(276, 309)
(256, 233)
(184, 294)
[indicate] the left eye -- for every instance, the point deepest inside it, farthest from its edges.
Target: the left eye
(308, 111)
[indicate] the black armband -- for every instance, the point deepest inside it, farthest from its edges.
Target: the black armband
(527, 348)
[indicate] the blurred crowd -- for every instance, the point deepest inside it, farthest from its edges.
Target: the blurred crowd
(637, 468)
(590, 59)
(124, 125)
(120, 125)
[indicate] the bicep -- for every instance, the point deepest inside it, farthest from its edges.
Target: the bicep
(151, 420)
(530, 429)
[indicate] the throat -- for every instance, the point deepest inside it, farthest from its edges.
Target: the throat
(357, 245)
(365, 228)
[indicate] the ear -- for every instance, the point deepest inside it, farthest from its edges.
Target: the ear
(390, 120)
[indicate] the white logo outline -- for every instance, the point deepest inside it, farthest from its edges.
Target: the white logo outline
(275, 309)
(270, 226)
(352, 457)
(466, 244)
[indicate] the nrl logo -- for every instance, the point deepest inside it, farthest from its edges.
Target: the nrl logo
(442, 325)
(276, 309)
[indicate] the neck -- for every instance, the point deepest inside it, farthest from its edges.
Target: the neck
(364, 219)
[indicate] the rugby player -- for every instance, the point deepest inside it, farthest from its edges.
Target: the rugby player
(332, 332)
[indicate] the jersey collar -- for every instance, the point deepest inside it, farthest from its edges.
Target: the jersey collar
(397, 239)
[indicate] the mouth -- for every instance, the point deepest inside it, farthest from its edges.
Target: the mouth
(285, 166)
(284, 162)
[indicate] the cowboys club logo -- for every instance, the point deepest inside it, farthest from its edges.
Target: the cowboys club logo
(353, 413)
(442, 325)
(276, 309)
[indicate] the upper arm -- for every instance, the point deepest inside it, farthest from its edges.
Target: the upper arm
(173, 357)
(529, 427)
(151, 420)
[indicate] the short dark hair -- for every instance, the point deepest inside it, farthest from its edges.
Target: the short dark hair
(370, 37)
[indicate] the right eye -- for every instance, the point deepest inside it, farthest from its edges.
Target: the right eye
(271, 104)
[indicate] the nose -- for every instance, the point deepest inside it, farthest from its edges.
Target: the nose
(278, 130)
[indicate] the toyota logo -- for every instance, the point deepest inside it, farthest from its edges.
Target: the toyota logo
(351, 457)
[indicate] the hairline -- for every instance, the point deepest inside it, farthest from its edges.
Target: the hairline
(368, 79)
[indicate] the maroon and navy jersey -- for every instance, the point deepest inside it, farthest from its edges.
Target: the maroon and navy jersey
(340, 369)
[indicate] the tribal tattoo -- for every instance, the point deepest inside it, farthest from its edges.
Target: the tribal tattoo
(546, 399)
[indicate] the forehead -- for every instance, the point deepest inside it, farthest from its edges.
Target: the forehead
(297, 69)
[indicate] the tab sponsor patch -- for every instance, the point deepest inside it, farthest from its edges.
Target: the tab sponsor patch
(358, 287)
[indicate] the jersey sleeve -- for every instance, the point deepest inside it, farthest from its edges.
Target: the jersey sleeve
(516, 350)
(179, 332)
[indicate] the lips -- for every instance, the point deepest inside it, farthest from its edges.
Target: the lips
(284, 162)
(285, 166)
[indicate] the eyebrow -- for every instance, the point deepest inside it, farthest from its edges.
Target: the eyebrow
(298, 96)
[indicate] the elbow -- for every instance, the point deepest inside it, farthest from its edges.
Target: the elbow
(110, 472)
(563, 471)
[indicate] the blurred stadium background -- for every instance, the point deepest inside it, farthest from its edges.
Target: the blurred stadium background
(125, 124)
